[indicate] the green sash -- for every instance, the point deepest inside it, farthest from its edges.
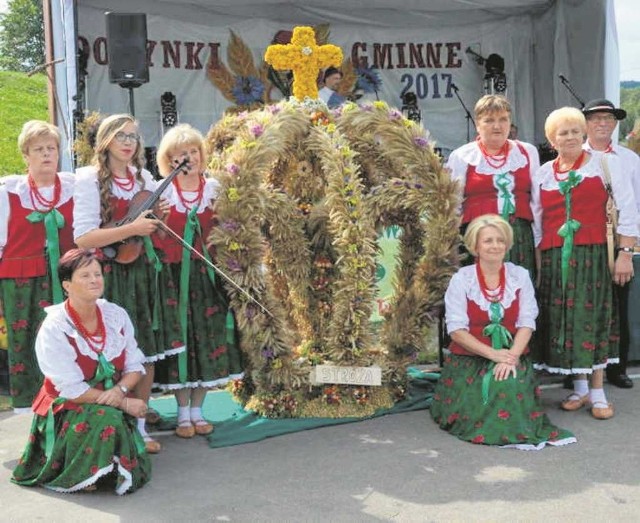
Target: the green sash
(500, 339)
(53, 220)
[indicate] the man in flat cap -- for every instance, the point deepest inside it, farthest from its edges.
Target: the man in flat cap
(602, 117)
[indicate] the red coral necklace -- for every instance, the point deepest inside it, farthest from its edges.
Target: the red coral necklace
(494, 160)
(574, 167)
(97, 339)
(126, 183)
(44, 205)
(485, 289)
(185, 201)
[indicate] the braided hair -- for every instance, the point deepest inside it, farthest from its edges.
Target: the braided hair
(107, 131)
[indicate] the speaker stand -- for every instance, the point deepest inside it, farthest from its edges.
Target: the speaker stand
(132, 109)
(130, 86)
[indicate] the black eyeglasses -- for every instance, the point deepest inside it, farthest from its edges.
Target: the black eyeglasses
(124, 137)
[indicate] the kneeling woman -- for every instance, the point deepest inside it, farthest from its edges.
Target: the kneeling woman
(487, 391)
(84, 428)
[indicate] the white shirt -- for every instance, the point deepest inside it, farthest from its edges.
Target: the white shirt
(86, 198)
(464, 286)
(620, 185)
(630, 163)
(57, 357)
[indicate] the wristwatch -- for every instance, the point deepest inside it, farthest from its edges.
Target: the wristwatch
(124, 389)
(626, 249)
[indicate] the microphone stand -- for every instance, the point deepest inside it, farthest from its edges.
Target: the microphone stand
(567, 84)
(468, 116)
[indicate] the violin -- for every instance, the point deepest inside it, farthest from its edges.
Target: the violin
(129, 250)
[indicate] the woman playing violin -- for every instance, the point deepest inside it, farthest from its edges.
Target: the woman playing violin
(103, 193)
(204, 323)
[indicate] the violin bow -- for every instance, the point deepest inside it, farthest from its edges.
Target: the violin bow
(212, 265)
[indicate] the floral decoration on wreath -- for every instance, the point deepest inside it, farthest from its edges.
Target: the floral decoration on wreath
(303, 194)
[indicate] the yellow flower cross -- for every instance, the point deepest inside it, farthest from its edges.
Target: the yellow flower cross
(305, 58)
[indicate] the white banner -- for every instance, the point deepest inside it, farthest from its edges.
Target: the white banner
(411, 50)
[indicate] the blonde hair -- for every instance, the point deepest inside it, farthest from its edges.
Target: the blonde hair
(107, 131)
(563, 115)
(180, 135)
(34, 129)
(491, 103)
(486, 220)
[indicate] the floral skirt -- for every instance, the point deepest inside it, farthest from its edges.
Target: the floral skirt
(133, 286)
(578, 331)
(512, 416)
(213, 355)
(24, 301)
(94, 443)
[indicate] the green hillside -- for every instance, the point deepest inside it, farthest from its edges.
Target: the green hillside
(21, 99)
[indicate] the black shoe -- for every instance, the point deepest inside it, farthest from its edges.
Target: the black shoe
(620, 380)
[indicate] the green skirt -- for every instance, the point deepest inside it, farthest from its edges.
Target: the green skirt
(24, 301)
(212, 355)
(513, 415)
(98, 443)
(134, 287)
(577, 332)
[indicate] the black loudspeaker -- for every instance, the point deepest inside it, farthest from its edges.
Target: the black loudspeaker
(127, 48)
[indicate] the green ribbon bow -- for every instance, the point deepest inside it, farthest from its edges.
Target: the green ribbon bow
(191, 228)
(152, 256)
(53, 220)
(501, 182)
(500, 339)
(570, 226)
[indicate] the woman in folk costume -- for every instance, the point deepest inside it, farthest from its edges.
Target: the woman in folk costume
(36, 216)
(203, 321)
(103, 192)
(487, 392)
(577, 328)
(495, 176)
(84, 428)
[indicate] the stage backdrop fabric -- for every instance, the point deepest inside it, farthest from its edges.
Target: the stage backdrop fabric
(415, 45)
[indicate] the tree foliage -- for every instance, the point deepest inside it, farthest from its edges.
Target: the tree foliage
(22, 35)
(630, 102)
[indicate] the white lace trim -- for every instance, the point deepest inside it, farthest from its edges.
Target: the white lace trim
(575, 370)
(472, 155)
(539, 446)
(203, 384)
(514, 282)
(548, 181)
(114, 321)
(17, 184)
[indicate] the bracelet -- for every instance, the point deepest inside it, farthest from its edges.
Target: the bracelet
(628, 250)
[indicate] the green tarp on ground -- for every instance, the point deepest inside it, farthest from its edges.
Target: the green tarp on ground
(235, 426)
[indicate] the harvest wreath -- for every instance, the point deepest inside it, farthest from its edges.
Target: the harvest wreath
(304, 192)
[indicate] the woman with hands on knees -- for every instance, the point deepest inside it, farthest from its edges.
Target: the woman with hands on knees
(102, 196)
(84, 428)
(487, 392)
